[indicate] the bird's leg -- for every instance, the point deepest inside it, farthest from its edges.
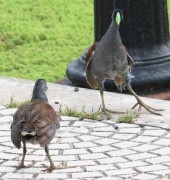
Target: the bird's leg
(52, 166)
(104, 109)
(141, 103)
(21, 165)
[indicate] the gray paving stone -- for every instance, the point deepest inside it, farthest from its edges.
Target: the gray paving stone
(15, 163)
(2, 107)
(6, 118)
(35, 158)
(162, 151)
(17, 176)
(6, 156)
(70, 169)
(157, 132)
(107, 141)
(5, 133)
(112, 160)
(163, 142)
(145, 139)
(109, 178)
(100, 167)
(102, 134)
(4, 148)
(162, 172)
(128, 171)
(94, 174)
(30, 170)
(152, 168)
(42, 151)
(132, 164)
(7, 169)
(123, 136)
(123, 152)
(75, 151)
(102, 149)
(69, 140)
(52, 176)
(81, 163)
(138, 156)
(159, 160)
(59, 146)
(104, 129)
(64, 158)
(130, 130)
(5, 127)
(127, 144)
(89, 138)
(145, 147)
(145, 177)
(8, 111)
(81, 130)
(92, 156)
(84, 145)
(167, 135)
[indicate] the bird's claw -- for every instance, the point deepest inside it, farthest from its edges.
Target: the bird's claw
(21, 166)
(62, 165)
(148, 108)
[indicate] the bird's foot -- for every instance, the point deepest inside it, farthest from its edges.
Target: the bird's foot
(107, 112)
(114, 112)
(52, 167)
(21, 166)
(148, 108)
(142, 104)
(105, 115)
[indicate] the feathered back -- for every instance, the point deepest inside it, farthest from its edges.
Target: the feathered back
(35, 116)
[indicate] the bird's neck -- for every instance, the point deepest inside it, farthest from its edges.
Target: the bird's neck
(115, 35)
(39, 94)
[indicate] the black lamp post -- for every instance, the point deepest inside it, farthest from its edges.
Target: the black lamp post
(145, 33)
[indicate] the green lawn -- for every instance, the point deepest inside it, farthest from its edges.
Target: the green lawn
(39, 37)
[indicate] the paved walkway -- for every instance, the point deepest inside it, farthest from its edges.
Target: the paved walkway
(91, 149)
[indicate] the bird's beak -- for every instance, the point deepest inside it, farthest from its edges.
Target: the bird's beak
(118, 18)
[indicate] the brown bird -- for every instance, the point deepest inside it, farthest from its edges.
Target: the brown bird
(108, 59)
(35, 122)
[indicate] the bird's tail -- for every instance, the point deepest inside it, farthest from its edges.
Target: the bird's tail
(25, 133)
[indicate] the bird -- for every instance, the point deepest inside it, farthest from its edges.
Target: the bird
(109, 59)
(35, 122)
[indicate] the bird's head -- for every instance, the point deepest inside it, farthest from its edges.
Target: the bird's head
(117, 16)
(39, 91)
(41, 85)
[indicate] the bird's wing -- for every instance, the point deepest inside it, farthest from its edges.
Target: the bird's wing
(46, 125)
(129, 58)
(89, 76)
(16, 126)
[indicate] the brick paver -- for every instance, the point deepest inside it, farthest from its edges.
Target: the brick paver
(92, 150)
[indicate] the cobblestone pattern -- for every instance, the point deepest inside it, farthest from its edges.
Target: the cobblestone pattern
(92, 150)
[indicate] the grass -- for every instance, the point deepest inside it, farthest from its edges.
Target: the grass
(128, 117)
(80, 114)
(39, 38)
(13, 103)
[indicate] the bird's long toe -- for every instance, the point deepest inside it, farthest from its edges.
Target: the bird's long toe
(148, 108)
(50, 168)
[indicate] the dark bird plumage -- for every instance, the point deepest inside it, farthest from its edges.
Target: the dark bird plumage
(35, 122)
(109, 59)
